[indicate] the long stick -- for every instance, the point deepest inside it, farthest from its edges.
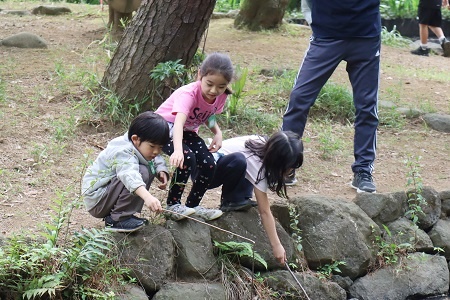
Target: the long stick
(218, 228)
(298, 282)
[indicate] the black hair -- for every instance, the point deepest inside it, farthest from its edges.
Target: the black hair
(279, 154)
(217, 63)
(150, 127)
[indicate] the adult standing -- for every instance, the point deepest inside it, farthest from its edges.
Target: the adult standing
(343, 31)
(430, 16)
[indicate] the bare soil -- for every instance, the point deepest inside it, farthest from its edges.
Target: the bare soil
(42, 87)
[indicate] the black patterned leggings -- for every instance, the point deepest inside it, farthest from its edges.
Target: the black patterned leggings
(196, 156)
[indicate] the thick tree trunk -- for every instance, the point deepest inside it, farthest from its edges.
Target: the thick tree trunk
(261, 14)
(161, 30)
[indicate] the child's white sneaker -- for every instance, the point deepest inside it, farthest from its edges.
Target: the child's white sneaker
(180, 211)
(207, 214)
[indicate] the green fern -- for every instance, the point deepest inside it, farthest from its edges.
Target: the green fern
(240, 250)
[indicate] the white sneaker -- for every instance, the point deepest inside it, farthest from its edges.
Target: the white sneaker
(207, 214)
(180, 211)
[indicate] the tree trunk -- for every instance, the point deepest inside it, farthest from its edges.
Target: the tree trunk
(261, 14)
(161, 30)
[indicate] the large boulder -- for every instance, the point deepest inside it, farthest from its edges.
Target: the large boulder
(405, 231)
(336, 230)
(382, 208)
(150, 253)
(248, 224)
(440, 236)
(431, 209)
(415, 277)
(50, 10)
(24, 40)
(195, 257)
(192, 291)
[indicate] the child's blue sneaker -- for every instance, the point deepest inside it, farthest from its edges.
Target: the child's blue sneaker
(129, 225)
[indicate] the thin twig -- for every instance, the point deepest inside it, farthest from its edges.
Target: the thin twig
(295, 278)
(218, 228)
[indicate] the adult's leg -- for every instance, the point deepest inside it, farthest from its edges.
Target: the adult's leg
(205, 167)
(118, 201)
(363, 67)
(320, 61)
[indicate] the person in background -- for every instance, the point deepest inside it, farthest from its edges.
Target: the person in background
(343, 31)
(185, 110)
(116, 185)
(430, 16)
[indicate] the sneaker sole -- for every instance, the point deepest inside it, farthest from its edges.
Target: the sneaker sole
(216, 216)
(113, 229)
(290, 183)
(244, 207)
(361, 191)
(178, 217)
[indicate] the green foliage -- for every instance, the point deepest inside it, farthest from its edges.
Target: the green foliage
(64, 129)
(239, 250)
(106, 105)
(393, 38)
(327, 270)
(334, 102)
(237, 86)
(83, 266)
(329, 144)
(391, 118)
(388, 251)
(391, 9)
(296, 231)
(227, 5)
(2, 90)
(170, 73)
(414, 181)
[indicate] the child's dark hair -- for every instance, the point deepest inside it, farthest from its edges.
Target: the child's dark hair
(150, 127)
(217, 63)
(279, 154)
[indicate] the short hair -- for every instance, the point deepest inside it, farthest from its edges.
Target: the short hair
(217, 63)
(150, 127)
(280, 153)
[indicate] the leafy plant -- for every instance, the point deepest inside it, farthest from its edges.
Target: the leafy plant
(170, 73)
(83, 266)
(227, 5)
(391, 9)
(296, 231)
(415, 199)
(393, 38)
(388, 251)
(334, 102)
(237, 86)
(327, 270)
(239, 250)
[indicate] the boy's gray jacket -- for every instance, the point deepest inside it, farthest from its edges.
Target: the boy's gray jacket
(120, 159)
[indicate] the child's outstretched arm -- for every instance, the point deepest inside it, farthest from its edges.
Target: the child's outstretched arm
(216, 143)
(151, 202)
(269, 225)
(177, 157)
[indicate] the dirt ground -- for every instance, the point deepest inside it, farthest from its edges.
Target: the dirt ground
(37, 105)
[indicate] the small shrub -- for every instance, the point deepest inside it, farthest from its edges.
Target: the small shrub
(393, 38)
(335, 103)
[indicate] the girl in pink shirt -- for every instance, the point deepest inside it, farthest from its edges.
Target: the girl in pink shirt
(185, 110)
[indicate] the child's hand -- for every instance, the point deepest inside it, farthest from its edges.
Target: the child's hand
(177, 159)
(153, 204)
(216, 143)
(162, 177)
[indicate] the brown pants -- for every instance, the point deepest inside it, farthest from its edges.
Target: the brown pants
(118, 201)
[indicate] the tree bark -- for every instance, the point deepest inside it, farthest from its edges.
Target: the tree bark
(161, 30)
(261, 14)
